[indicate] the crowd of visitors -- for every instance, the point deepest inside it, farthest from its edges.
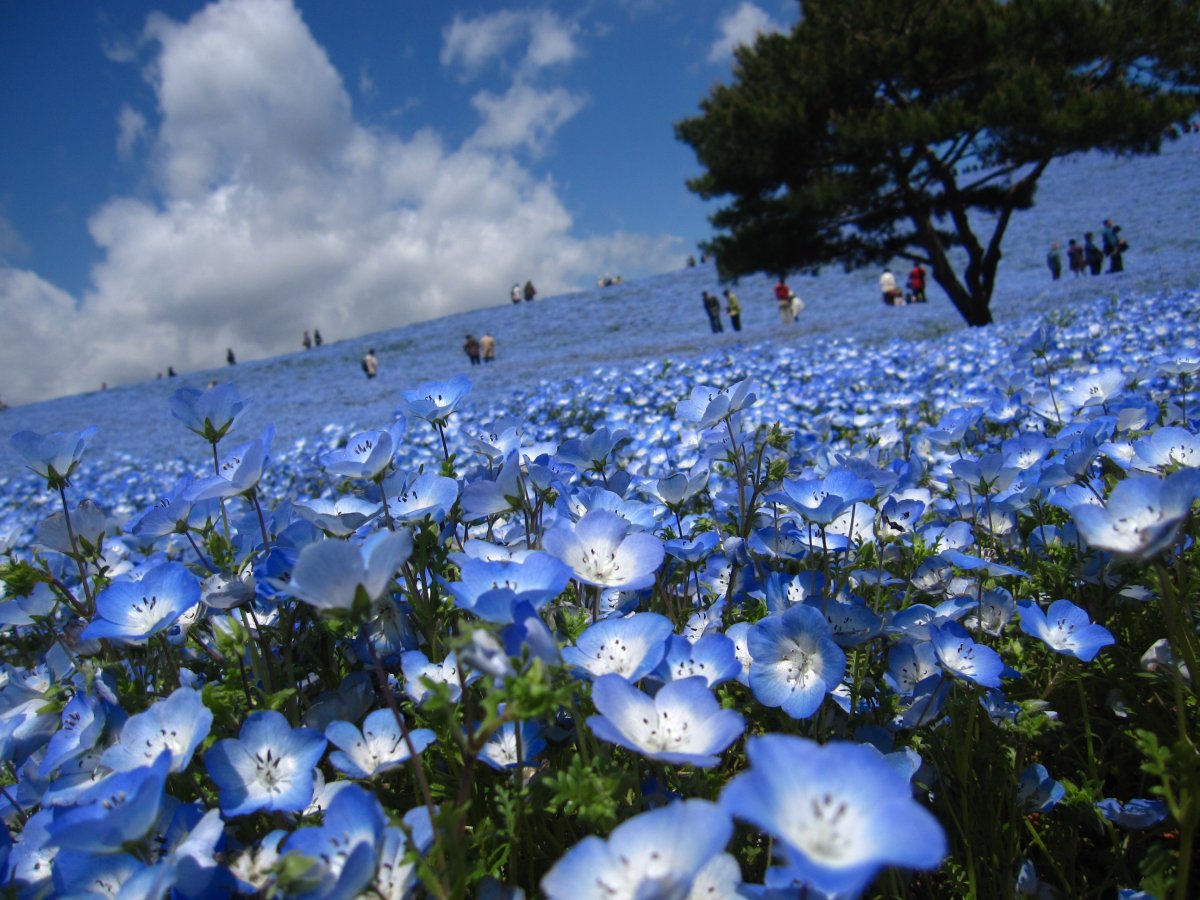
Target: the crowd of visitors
(1088, 257)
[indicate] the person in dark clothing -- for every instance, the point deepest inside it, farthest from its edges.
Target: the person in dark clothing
(229, 357)
(1116, 259)
(530, 291)
(1093, 254)
(316, 337)
(1075, 257)
(471, 348)
(712, 306)
(1054, 261)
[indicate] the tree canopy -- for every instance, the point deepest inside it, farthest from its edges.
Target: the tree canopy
(914, 129)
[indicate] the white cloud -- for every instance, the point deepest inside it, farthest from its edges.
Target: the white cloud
(12, 246)
(275, 211)
(524, 116)
(741, 26)
(471, 45)
(131, 128)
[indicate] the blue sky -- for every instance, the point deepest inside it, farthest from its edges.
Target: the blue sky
(179, 177)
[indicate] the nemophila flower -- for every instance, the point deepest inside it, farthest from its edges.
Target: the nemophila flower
(209, 413)
(704, 407)
(601, 551)
(1094, 389)
(53, 456)
(490, 590)
(1065, 629)
(992, 614)
(113, 812)
(676, 489)
(365, 455)
(83, 720)
(343, 849)
(963, 658)
(683, 724)
(1037, 791)
(909, 663)
(134, 610)
(821, 500)
(658, 854)
(396, 870)
(435, 401)
(1168, 446)
(377, 748)
(503, 752)
(1142, 515)
(1137, 813)
(268, 766)
(411, 499)
(712, 657)
(238, 473)
(172, 514)
(693, 549)
(338, 517)
(795, 661)
(349, 576)
(850, 619)
(838, 813)
(108, 875)
(529, 634)
(630, 647)
(416, 668)
(176, 725)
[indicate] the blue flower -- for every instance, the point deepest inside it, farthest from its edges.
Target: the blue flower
(238, 473)
(269, 766)
(501, 750)
(377, 748)
(601, 551)
(630, 647)
(365, 455)
(1136, 813)
(963, 658)
(838, 813)
(53, 456)
(416, 667)
(435, 401)
(209, 413)
(83, 720)
(349, 575)
(683, 724)
(1037, 791)
(175, 725)
(658, 854)
(343, 848)
(411, 499)
(134, 610)
(1142, 515)
(1065, 629)
(491, 589)
(113, 812)
(713, 657)
(795, 661)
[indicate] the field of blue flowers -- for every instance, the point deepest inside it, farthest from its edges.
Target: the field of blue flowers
(874, 604)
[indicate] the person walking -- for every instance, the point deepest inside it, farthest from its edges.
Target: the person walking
(471, 348)
(734, 307)
(306, 341)
(1054, 261)
(1116, 261)
(229, 357)
(487, 347)
(515, 293)
(530, 291)
(887, 287)
(712, 306)
(317, 337)
(783, 299)
(370, 365)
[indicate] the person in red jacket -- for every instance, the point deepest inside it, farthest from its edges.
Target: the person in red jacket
(916, 284)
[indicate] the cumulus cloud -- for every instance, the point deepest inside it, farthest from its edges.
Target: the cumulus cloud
(131, 128)
(740, 27)
(275, 211)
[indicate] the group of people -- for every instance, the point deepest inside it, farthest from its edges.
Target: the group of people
(312, 340)
(890, 290)
(482, 349)
(1088, 257)
(518, 293)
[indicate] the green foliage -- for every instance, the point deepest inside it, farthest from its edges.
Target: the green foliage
(874, 128)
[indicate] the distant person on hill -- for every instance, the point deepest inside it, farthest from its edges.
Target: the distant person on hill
(306, 341)
(1108, 238)
(171, 373)
(916, 284)
(1093, 254)
(229, 357)
(1116, 262)
(370, 365)
(887, 287)
(691, 261)
(1054, 261)
(1075, 258)
(783, 298)
(795, 306)
(712, 306)
(734, 307)
(487, 346)
(515, 293)
(471, 348)
(530, 291)
(317, 337)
